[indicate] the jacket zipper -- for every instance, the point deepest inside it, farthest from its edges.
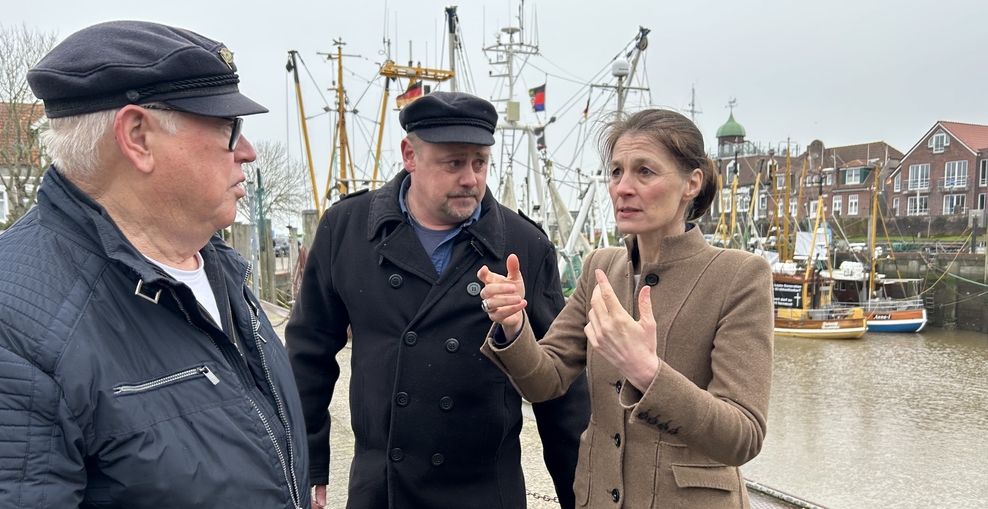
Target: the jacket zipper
(254, 325)
(292, 489)
(175, 377)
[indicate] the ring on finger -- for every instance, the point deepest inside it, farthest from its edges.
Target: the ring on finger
(484, 306)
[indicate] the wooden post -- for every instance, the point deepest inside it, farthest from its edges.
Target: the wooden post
(292, 259)
(310, 222)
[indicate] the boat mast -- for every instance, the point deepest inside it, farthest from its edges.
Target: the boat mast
(784, 251)
(451, 21)
(293, 68)
(871, 232)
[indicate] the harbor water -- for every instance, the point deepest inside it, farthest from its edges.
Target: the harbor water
(889, 420)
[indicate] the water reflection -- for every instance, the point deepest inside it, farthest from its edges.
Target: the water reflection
(890, 420)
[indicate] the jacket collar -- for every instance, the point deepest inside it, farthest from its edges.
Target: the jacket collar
(674, 248)
(489, 230)
(79, 215)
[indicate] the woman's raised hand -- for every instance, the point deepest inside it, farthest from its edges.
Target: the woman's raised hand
(504, 296)
(627, 344)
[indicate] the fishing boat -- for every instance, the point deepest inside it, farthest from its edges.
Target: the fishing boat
(803, 295)
(891, 305)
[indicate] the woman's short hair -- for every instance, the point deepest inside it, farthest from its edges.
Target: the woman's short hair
(679, 136)
(73, 143)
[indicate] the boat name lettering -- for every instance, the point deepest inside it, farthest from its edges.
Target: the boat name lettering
(830, 325)
(881, 317)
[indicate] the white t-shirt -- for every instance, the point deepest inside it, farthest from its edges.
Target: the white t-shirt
(199, 283)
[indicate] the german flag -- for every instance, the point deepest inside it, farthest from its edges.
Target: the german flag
(413, 93)
(538, 97)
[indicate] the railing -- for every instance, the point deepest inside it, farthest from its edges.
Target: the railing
(950, 183)
(922, 184)
(880, 306)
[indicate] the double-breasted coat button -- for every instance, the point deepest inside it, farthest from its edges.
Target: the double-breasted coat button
(397, 455)
(652, 279)
(437, 459)
(615, 495)
(446, 403)
(617, 440)
(452, 345)
(617, 387)
(411, 338)
(395, 280)
(473, 288)
(401, 398)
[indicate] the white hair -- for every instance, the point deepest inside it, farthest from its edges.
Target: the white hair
(73, 143)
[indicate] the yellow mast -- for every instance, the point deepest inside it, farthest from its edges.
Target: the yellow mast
(799, 194)
(293, 67)
(734, 203)
(390, 71)
(720, 220)
(871, 231)
(809, 259)
(784, 251)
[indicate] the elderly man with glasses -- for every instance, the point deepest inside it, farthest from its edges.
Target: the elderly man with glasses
(137, 368)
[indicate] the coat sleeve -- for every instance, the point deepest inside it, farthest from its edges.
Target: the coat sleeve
(561, 421)
(543, 369)
(41, 458)
(316, 332)
(726, 421)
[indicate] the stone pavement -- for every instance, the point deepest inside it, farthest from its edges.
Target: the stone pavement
(537, 478)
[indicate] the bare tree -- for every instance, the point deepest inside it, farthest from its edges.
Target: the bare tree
(287, 190)
(22, 160)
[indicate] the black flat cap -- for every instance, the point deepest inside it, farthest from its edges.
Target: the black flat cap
(113, 64)
(450, 117)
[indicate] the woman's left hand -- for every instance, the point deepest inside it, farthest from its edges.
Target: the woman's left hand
(625, 343)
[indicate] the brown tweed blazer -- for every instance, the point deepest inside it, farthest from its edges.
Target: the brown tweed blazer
(680, 442)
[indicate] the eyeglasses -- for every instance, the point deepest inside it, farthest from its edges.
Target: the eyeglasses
(238, 123)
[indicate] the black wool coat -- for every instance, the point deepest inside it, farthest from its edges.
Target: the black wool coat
(436, 424)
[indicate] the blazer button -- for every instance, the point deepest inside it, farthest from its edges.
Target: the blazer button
(617, 440)
(446, 403)
(615, 495)
(617, 387)
(401, 398)
(437, 459)
(397, 455)
(452, 345)
(473, 288)
(395, 280)
(652, 279)
(411, 338)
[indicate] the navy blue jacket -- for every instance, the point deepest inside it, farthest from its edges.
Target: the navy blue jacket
(116, 390)
(436, 424)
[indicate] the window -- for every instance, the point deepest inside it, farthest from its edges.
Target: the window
(981, 201)
(780, 181)
(3, 205)
(852, 176)
(852, 205)
(895, 207)
(897, 183)
(778, 209)
(792, 206)
(813, 208)
(725, 200)
(837, 205)
(762, 201)
(938, 142)
(983, 173)
(731, 173)
(917, 206)
(919, 177)
(744, 200)
(954, 204)
(830, 179)
(955, 174)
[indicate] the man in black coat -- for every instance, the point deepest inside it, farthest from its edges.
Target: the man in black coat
(435, 423)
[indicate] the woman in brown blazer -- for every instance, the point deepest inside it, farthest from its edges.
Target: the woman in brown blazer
(679, 376)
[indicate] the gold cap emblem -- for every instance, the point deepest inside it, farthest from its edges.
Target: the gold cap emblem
(227, 57)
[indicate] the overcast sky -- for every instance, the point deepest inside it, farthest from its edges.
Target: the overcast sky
(842, 71)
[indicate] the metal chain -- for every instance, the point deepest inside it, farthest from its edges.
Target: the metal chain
(539, 496)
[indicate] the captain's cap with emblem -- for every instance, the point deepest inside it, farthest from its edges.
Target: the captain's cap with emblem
(112, 64)
(450, 117)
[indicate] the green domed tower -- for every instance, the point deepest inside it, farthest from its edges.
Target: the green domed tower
(729, 135)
